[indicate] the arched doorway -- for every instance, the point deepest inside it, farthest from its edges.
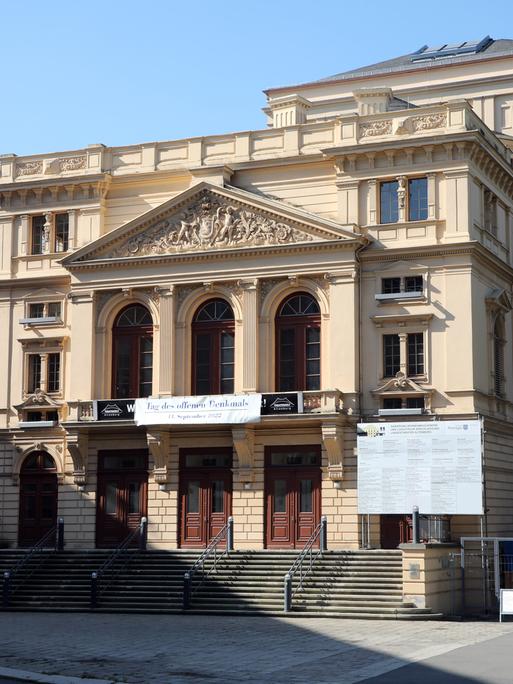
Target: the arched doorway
(38, 497)
(132, 353)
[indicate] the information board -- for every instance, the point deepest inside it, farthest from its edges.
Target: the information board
(434, 465)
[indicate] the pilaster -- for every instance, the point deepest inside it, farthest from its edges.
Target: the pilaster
(82, 351)
(250, 335)
(166, 341)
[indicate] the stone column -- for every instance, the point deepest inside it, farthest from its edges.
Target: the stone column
(403, 353)
(43, 384)
(166, 349)
(47, 233)
(250, 335)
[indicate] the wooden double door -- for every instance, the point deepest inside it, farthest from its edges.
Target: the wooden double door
(293, 495)
(38, 498)
(122, 495)
(205, 495)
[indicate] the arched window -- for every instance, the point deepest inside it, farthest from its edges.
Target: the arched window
(132, 353)
(213, 348)
(498, 356)
(298, 344)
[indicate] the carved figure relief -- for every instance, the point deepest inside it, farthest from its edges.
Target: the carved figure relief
(30, 168)
(424, 123)
(373, 128)
(72, 163)
(210, 223)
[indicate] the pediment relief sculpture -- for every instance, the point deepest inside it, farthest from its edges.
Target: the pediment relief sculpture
(211, 222)
(38, 400)
(401, 384)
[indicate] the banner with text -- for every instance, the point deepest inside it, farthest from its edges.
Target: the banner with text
(222, 408)
(435, 466)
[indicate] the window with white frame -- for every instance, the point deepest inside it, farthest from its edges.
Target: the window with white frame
(403, 199)
(403, 352)
(41, 313)
(49, 233)
(401, 284)
(43, 372)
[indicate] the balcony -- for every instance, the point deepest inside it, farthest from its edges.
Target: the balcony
(309, 402)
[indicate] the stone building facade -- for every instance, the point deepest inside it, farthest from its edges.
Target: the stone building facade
(356, 253)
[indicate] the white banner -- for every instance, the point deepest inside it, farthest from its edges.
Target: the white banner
(221, 408)
(434, 465)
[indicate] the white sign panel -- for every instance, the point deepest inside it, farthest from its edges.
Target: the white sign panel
(434, 465)
(506, 602)
(222, 408)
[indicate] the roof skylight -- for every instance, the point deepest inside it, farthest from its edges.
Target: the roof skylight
(451, 49)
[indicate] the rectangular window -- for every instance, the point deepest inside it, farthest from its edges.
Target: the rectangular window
(34, 373)
(36, 310)
(44, 310)
(392, 403)
(415, 402)
(38, 223)
(388, 204)
(390, 285)
(413, 284)
(61, 232)
(417, 199)
(415, 354)
(54, 368)
(54, 309)
(391, 355)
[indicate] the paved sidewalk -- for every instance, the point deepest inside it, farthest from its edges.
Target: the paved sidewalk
(175, 649)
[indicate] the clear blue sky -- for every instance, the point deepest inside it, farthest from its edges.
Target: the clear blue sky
(75, 72)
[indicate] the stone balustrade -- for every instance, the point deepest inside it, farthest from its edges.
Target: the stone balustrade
(291, 141)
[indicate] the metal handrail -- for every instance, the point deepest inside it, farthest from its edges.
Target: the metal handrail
(98, 582)
(320, 533)
(57, 533)
(212, 550)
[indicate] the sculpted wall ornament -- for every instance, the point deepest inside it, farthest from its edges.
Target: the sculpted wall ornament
(30, 168)
(72, 163)
(210, 223)
(424, 123)
(367, 130)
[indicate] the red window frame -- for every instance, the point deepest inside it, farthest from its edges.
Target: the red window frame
(134, 334)
(299, 324)
(214, 329)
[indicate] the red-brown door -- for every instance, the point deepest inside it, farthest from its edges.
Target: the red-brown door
(293, 495)
(205, 495)
(395, 530)
(122, 495)
(38, 498)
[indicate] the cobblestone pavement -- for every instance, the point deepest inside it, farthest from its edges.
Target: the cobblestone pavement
(176, 649)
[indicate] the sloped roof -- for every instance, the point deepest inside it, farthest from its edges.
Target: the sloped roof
(496, 48)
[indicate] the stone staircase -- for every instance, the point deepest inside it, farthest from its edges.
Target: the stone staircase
(356, 584)
(351, 584)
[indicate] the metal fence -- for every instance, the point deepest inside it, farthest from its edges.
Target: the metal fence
(478, 573)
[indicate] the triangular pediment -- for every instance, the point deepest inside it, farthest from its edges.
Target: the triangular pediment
(206, 218)
(499, 300)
